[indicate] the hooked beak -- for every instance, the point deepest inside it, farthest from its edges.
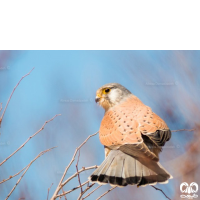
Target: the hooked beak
(97, 99)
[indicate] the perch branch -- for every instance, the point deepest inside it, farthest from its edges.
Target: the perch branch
(106, 193)
(60, 185)
(67, 192)
(160, 191)
(40, 154)
(1, 118)
(73, 176)
(81, 170)
(28, 140)
(86, 189)
(91, 192)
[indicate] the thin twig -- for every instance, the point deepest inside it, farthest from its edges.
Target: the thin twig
(86, 189)
(74, 175)
(1, 118)
(73, 158)
(70, 178)
(0, 107)
(79, 180)
(183, 130)
(28, 140)
(40, 154)
(161, 191)
(60, 185)
(4, 180)
(106, 193)
(48, 191)
(91, 192)
(64, 195)
(67, 192)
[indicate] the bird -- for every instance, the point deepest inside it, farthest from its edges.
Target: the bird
(133, 137)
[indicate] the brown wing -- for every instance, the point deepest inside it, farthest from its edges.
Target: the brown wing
(120, 128)
(152, 126)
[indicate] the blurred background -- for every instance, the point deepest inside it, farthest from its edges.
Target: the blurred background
(65, 82)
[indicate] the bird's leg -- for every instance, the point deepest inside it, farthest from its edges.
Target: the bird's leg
(107, 151)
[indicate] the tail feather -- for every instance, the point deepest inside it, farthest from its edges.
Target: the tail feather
(131, 171)
(112, 173)
(121, 169)
(101, 173)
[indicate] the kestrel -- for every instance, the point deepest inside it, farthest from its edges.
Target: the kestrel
(133, 136)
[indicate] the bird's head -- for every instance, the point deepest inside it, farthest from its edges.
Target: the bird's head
(111, 94)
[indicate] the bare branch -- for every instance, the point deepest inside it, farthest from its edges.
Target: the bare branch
(74, 175)
(1, 118)
(79, 180)
(4, 180)
(70, 178)
(40, 154)
(64, 193)
(183, 130)
(87, 188)
(48, 191)
(161, 191)
(28, 139)
(0, 107)
(106, 193)
(73, 158)
(60, 185)
(91, 192)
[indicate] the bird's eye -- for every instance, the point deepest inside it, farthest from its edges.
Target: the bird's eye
(106, 91)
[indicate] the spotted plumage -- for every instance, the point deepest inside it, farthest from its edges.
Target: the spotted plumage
(133, 136)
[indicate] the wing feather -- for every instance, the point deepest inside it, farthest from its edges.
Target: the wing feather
(135, 129)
